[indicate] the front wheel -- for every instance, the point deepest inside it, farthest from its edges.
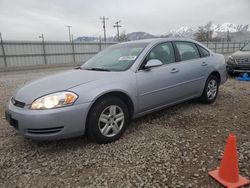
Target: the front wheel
(211, 89)
(107, 120)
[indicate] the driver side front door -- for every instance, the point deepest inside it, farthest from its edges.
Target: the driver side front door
(157, 86)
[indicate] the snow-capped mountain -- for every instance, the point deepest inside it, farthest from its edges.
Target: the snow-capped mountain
(139, 35)
(237, 33)
(225, 27)
(87, 39)
(185, 31)
(182, 32)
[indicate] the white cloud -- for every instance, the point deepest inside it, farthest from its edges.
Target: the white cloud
(27, 19)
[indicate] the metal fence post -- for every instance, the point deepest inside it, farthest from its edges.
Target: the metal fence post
(222, 46)
(4, 56)
(215, 47)
(44, 51)
(73, 51)
(100, 44)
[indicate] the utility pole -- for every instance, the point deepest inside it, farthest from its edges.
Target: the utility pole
(42, 37)
(117, 28)
(69, 26)
(44, 52)
(104, 27)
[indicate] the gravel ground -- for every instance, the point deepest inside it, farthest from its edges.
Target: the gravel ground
(175, 147)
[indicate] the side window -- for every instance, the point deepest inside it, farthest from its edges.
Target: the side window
(203, 51)
(187, 50)
(163, 52)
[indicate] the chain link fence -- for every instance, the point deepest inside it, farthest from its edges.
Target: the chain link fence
(224, 47)
(27, 53)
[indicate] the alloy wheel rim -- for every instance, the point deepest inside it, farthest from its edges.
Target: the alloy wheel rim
(111, 121)
(212, 89)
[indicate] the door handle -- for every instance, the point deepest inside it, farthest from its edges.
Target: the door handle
(174, 70)
(204, 63)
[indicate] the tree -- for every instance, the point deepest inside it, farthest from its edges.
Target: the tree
(204, 33)
(123, 37)
(201, 35)
(228, 36)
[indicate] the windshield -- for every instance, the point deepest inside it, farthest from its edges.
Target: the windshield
(246, 48)
(118, 57)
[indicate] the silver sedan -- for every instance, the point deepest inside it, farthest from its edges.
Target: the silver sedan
(123, 82)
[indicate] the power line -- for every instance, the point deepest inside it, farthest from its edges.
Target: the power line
(104, 27)
(117, 29)
(69, 26)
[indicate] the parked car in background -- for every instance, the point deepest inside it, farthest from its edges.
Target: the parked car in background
(123, 82)
(239, 62)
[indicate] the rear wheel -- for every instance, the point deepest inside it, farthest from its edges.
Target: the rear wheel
(211, 90)
(107, 120)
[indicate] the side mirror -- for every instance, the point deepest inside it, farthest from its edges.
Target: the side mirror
(153, 63)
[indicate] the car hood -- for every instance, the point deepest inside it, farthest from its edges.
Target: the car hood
(241, 54)
(58, 82)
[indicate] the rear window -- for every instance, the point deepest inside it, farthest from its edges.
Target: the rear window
(203, 51)
(187, 50)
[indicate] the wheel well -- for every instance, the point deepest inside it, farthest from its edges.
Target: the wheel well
(217, 74)
(124, 97)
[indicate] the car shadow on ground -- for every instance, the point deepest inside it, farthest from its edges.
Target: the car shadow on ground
(161, 113)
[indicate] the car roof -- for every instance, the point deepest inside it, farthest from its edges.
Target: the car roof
(159, 40)
(156, 40)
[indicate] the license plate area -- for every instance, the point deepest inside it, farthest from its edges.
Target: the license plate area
(11, 121)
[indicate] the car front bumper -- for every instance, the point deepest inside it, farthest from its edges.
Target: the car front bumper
(50, 124)
(237, 68)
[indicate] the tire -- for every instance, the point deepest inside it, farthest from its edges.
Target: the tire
(207, 97)
(107, 120)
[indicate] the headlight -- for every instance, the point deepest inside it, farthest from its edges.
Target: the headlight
(54, 100)
(231, 60)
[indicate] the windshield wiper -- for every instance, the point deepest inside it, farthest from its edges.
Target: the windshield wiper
(98, 69)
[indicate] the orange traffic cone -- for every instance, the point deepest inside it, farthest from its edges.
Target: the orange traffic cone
(228, 172)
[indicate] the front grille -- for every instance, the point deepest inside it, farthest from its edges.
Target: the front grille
(17, 103)
(243, 60)
(242, 66)
(45, 130)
